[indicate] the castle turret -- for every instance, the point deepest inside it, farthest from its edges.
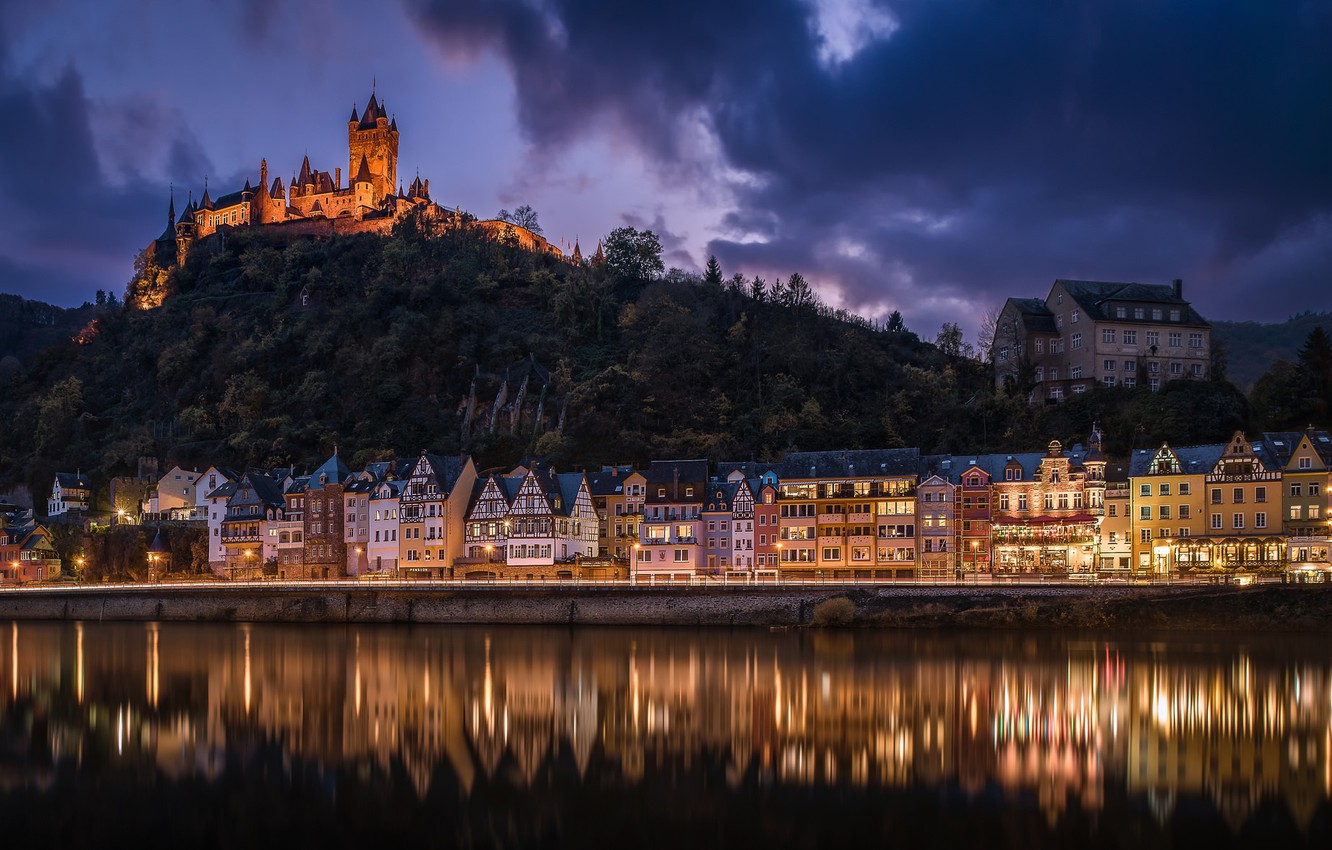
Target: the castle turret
(374, 138)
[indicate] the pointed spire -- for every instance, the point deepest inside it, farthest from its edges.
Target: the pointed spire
(207, 202)
(393, 125)
(305, 172)
(354, 117)
(171, 207)
(363, 172)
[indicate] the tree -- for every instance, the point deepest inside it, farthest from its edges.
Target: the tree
(895, 323)
(950, 341)
(712, 274)
(1316, 361)
(633, 255)
(798, 292)
(989, 325)
(526, 217)
(758, 289)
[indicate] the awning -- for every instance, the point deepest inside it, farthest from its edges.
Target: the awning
(1074, 519)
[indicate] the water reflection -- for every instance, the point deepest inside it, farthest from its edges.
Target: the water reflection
(1083, 734)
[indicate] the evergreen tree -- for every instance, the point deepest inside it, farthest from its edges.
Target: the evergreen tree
(712, 275)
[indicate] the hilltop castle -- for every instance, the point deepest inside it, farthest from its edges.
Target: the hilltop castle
(316, 203)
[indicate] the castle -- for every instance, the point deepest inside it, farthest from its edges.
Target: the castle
(316, 202)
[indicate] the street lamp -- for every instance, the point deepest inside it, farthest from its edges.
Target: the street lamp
(633, 566)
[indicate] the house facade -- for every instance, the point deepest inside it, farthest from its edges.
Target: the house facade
(325, 552)
(1168, 508)
(669, 547)
(1305, 458)
(71, 492)
(1048, 512)
(848, 515)
(432, 513)
(936, 528)
(1088, 333)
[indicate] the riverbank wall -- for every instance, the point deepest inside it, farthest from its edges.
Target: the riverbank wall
(1263, 608)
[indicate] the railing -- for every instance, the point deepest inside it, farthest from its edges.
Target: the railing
(643, 580)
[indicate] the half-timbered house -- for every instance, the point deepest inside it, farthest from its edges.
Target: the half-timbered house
(432, 512)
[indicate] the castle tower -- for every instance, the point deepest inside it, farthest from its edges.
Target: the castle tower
(374, 137)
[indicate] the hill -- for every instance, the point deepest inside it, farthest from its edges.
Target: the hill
(1252, 347)
(272, 352)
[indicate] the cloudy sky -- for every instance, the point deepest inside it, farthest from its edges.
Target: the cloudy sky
(932, 156)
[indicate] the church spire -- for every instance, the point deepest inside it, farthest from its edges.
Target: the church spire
(171, 207)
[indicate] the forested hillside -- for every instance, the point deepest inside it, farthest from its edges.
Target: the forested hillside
(1253, 347)
(275, 353)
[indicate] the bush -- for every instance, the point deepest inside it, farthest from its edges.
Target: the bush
(839, 611)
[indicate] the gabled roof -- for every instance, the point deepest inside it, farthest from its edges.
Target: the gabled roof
(262, 490)
(1193, 460)
(856, 463)
(568, 485)
(73, 481)
(1093, 296)
(1282, 444)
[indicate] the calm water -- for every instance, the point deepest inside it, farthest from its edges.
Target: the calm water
(244, 736)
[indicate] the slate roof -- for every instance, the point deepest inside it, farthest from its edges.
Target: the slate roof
(73, 481)
(1282, 444)
(363, 172)
(223, 491)
(675, 475)
(609, 481)
(1092, 296)
(334, 468)
(750, 469)
(568, 485)
(1036, 317)
(447, 471)
(1193, 460)
(857, 463)
(723, 503)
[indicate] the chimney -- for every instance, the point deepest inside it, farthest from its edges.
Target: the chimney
(337, 177)
(1179, 289)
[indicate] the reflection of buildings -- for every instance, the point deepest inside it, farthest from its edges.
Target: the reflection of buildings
(1073, 725)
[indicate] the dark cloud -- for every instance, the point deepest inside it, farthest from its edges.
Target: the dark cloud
(63, 215)
(980, 150)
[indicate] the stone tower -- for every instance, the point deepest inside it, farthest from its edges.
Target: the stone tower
(374, 136)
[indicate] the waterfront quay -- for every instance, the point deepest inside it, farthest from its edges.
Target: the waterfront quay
(1178, 605)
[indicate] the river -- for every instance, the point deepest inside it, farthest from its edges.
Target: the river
(146, 735)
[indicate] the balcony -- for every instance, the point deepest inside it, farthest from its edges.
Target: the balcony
(834, 540)
(832, 519)
(860, 540)
(860, 519)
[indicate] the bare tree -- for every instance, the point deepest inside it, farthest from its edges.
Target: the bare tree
(989, 323)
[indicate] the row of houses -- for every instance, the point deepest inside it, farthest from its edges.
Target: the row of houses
(841, 515)
(26, 552)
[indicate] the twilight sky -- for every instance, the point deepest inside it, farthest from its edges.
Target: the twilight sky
(933, 156)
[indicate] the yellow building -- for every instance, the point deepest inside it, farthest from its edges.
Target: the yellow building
(1168, 493)
(617, 493)
(1244, 509)
(1304, 458)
